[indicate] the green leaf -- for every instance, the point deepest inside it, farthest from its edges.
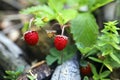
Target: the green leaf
(67, 15)
(114, 57)
(53, 56)
(38, 9)
(10, 72)
(69, 52)
(105, 74)
(25, 27)
(39, 22)
(106, 50)
(84, 30)
(31, 77)
(61, 56)
(56, 5)
(94, 70)
(20, 69)
(72, 3)
(108, 66)
(91, 52)
(116, 46)
(95, 59)
(86, 78)
(100, 3)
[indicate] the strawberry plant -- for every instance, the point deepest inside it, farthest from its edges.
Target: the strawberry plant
(76, 18)
(13, 75)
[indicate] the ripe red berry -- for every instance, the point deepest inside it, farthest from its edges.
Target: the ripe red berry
(31, 37)
(85, 70)
(60, 42)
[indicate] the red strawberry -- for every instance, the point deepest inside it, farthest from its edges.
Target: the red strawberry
(85, 70)
(60, 42)
(31, 37)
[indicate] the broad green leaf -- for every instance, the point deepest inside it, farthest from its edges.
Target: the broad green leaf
(56, 5)
(114, 57)
(37, 9)
(68, 14)
(105, 74)
(39, 22)
(100, 3)
(95, 59)
(53, 56)
(84, 30)
(69, 52)
(72, 3)
(61, 56)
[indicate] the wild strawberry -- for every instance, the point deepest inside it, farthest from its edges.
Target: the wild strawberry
(31, 37)
(60, 42)
(85, 70)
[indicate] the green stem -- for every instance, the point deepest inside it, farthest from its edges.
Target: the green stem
(101, 69)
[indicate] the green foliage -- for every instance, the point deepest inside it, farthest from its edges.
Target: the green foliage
(25, 27)
(61, 56)
(101, 75)
(99, 3)
(60, 12)
(108, 45)
(13, 75)
(85, 31)
(86, 78)
(31, 77)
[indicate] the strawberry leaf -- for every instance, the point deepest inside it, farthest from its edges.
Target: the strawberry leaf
(99, 3)
(61, 56)
(85, 31)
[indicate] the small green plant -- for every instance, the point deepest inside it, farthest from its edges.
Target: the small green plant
(13, 75)
(101, 75)
(107, 46)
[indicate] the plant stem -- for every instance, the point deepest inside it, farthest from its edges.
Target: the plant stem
(63, 28)
(30, 23)
(101, 69)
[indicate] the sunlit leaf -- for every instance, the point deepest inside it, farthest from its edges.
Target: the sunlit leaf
(84, 30)
(115, 58)
(100, 3)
